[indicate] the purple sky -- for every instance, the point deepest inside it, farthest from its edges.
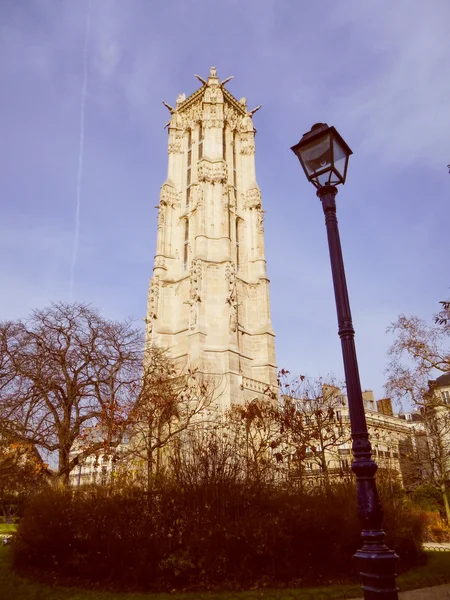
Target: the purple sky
(378, 70)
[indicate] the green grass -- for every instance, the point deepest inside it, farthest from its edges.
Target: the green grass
(7, 528)
(14, 587)
(435, 572)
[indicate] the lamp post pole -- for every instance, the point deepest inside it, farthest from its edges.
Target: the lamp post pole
(324, 155)
(375, 561)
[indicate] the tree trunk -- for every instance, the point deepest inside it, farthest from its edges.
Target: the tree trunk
(149, 459)
(63, 464)
(158, 451)
(326, 475)
(446, 503)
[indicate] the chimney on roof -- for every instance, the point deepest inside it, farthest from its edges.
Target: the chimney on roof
(384, 406)
(369, 400)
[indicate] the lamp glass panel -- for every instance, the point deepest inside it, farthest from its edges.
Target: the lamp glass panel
(340, 157)
(317, 155)
(324, 178)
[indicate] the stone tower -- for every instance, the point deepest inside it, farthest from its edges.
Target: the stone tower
(208, 298)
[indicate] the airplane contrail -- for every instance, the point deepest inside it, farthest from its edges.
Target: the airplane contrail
(81, 151)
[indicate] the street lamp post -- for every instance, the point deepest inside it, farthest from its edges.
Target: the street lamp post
(324, 156)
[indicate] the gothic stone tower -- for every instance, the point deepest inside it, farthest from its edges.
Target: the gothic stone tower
(209, 295)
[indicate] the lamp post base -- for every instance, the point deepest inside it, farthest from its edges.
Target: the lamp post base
(376, 565)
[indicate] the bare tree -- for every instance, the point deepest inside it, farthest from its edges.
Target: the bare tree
(171, 402)
(437, 450)
(311, 418)
(443, 316)
(418, 352)
(256, 429)
(209, 455)
(68, 376)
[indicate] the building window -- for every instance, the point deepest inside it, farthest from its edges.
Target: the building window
(446, 396)
(186, 243)
(339, 415)
(188, 196)
(200, 141)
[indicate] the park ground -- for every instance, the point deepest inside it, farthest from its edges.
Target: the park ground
(423, 583)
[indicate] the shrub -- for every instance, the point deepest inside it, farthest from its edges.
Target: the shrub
(202, 536)
(436, 530)
(428, 497)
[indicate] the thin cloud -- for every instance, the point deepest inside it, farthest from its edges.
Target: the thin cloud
(80, 151)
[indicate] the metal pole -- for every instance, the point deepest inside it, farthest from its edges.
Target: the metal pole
(376, 562)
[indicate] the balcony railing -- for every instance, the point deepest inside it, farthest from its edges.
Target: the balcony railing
(257, 386)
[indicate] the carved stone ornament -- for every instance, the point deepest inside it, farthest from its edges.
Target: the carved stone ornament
(176, 140)
(160, 262)
(195, 279)
(211, 121)
(191, 116)
(232, 117)
(231, 198)
(246, 124)
(213, 94)
(212, 172)
(230, 277)
(260, 223)
(168, 196)
(196, 199)
(253, 199)
(176, 122)
(195, 282)
(248, 143)
(153, 298)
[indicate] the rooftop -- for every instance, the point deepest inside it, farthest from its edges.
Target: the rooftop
(442, 381)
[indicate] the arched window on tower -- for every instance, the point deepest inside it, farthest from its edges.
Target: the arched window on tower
(189, 163)
(186, 244)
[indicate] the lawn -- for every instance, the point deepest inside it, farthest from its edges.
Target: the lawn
(13, 587)
(6, 528)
